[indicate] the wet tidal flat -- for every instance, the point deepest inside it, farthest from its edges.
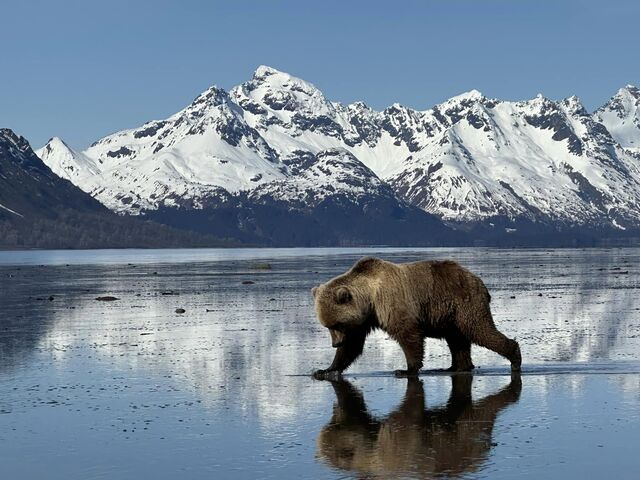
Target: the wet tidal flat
(197, 363)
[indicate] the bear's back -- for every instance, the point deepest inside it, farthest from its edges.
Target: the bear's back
(442, 279)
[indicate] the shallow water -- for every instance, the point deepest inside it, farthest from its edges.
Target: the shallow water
(132, 389)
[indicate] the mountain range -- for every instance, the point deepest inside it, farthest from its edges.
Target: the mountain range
(274, 162)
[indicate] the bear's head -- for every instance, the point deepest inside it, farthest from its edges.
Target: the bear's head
(344, 304)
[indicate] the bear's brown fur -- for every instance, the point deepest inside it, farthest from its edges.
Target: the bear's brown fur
(453, 440)
(410, 301)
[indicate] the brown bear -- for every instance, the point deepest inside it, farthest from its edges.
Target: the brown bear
(410, 301)
(413, 441)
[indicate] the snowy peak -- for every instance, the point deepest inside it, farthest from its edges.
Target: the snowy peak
(274, 80)
(629, 93)
(472, 94)
(470, 106)
(213, 99)
(56, 143)
(621, 116)
(573, 106)
(66, 162)
(466, 97)
(280, 92)
(624, 102)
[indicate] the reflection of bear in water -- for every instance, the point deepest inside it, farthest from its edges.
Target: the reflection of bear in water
(449, 440)
(409, 301)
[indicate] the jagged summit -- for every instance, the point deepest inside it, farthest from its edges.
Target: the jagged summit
(631, 90)
(13, 142)
(211, 97)
(574, 105)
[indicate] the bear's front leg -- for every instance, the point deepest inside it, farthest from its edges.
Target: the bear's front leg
(346, 353)
(413, 347)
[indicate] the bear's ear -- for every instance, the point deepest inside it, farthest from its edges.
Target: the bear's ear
(314, 292)
(343, 295)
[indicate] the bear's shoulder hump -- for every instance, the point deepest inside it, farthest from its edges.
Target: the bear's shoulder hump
(366, 264)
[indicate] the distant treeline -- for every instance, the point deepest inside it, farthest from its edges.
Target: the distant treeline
(75, 230)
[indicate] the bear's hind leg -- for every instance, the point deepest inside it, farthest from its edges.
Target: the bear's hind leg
(502, 345)
(460, 348)
(476, 324)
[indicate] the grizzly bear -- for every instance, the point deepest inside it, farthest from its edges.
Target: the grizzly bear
(414, 441)
(410, 301)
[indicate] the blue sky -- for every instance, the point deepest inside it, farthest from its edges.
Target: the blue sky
(83, 69)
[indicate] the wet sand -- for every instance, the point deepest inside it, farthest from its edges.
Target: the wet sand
(130, 388)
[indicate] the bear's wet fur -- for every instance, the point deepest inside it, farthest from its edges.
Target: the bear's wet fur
(410, 301)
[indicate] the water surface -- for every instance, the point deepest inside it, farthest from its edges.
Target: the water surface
(132, 389)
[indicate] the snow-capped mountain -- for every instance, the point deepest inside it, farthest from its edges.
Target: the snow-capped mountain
(621, 116)
(469, 160)
(184, 158)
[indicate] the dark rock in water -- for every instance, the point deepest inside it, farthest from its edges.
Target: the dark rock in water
(248, 282)
(107, 298)
(170, 292)
(512, 296)
(180, 310)
(51, 298)
(261, 266)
